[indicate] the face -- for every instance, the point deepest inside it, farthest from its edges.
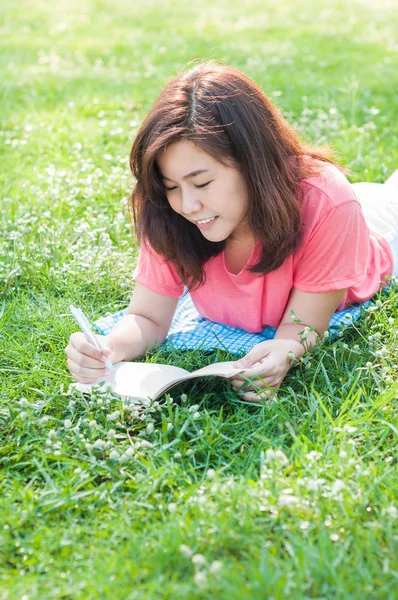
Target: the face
(199, 188)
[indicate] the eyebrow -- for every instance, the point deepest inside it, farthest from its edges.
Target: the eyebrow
(193, 174)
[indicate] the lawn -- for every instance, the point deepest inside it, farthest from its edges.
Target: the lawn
(198, 495)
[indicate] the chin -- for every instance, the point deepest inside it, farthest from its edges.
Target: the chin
(214, 238)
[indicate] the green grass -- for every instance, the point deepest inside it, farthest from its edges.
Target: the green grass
(296, 498)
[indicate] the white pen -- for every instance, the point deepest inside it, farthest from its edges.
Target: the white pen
(85, 326)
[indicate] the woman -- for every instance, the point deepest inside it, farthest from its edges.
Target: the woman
(263, 229)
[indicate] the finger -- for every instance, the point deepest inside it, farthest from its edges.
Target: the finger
(262, 369)
(79, 341)
(256, 381)
(258, 352)
(84, 360)
(81, 373)
(254, 398)
(253, 385)
(257, 389)
(265, 396)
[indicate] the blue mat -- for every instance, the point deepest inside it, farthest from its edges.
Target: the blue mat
(189, 330)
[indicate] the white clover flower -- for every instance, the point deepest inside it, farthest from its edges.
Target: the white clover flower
(184, 397)
(186, 550)
(198, 559)
(67, 423)
(270, 454)
(189, 452)
(193, 408)
(113, 416)
(326, 334)
(200, 579)
(43, 420)
(114, 455)
(210, 473)
(196, 415)
(313, 455)
(337, 486)
(391, 320)
(146, 444)
(215, 566)
(382, 352)
(287, 499)
(313, 484)
(111, 433)
(23, 402)
(169, 426)
(349, 428)
(129, 451)
(276, 455)
(177, 455)
(52, 433)
(334, 537)
(150, 428)
(172, 506)
(100, 444)
(391, 511)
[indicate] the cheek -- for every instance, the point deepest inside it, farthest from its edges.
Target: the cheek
(173, 203)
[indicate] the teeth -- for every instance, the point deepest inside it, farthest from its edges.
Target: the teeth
(206, 221)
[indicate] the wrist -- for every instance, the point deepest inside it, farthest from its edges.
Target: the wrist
(301, 342)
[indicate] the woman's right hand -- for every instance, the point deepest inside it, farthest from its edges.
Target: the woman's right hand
(86, 362)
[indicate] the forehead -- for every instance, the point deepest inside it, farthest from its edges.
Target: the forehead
(183, 151)
(183, 157)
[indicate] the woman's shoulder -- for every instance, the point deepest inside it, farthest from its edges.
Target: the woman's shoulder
(329, 188)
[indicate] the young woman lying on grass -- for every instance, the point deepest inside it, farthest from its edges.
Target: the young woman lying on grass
(231, 203)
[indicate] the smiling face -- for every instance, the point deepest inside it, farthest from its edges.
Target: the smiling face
(198, 187)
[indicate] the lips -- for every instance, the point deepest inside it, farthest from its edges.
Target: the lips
(200, 221)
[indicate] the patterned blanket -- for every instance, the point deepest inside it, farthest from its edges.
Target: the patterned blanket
(189, 330)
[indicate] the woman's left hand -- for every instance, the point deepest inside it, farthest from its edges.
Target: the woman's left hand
(269, 361)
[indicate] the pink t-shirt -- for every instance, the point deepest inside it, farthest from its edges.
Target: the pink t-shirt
(338, 251)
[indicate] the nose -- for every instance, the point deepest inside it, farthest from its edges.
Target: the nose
(190, 204)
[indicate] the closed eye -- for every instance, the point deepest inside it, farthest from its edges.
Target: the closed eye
(197, 186)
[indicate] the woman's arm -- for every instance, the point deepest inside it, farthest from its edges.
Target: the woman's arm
(313, 310)
(144, 326)
(272, 359)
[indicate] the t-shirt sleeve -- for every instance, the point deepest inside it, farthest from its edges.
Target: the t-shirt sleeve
(336, 252)
(157, 274)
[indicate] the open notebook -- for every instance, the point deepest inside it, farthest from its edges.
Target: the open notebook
(151, 380)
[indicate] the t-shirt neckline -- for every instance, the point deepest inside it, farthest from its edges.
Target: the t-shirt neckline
(250, 261)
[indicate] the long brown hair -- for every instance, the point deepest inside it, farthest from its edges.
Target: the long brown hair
(227, 115)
